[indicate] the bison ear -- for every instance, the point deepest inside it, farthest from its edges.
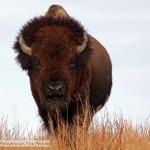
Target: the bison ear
(24, 61)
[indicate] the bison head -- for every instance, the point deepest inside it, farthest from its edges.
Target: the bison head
(54, 51)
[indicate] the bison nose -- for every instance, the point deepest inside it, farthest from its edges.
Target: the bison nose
(56, 88)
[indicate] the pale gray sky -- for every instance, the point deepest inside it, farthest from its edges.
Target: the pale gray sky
(122, 26)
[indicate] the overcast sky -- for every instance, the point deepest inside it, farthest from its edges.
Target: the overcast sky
(122, 26)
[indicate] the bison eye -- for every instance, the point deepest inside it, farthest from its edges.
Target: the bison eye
(73, 63)
(36, 65)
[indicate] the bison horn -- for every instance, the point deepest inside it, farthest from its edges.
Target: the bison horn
(26, 49)
(82, 47)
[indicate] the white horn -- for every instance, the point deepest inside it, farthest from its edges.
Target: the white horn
(82, 47)
(26, 49)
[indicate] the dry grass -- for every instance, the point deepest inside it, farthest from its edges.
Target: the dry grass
(110, 133)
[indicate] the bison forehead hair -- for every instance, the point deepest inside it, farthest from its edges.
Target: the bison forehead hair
(52, 36)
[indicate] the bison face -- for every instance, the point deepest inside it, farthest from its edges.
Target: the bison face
(54, 66)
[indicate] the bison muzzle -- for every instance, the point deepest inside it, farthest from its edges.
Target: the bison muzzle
(69, 70)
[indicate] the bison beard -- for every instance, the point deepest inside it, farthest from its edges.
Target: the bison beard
(69, 70)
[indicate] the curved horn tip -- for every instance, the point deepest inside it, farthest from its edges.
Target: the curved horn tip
(82, 47)
(26, 49)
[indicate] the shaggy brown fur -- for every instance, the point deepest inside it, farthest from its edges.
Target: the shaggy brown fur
(87, 76)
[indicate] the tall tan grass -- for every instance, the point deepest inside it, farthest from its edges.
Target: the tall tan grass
(110, 133)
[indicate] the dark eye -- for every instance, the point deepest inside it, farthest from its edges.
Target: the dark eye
(36, 65)
(73, 63)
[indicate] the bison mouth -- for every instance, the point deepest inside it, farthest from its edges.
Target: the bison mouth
(55, 97)
(55, 103)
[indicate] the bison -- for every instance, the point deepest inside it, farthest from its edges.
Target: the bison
(68, 68)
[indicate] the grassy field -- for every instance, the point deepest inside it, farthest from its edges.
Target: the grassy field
(110, 133)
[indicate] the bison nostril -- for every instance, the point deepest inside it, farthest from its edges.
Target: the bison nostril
(51, 88)
(48, 89)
